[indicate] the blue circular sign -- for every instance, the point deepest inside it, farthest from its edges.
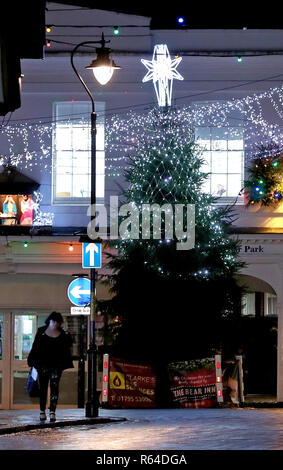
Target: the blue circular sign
(79, 291)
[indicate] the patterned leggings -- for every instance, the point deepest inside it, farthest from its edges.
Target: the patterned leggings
(46, 374)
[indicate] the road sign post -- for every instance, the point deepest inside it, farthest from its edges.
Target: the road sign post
(91, 259)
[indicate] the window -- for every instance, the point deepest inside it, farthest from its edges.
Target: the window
(250, 307)
(270, 304)
(72, 152)
(248, 304)
(224, 158)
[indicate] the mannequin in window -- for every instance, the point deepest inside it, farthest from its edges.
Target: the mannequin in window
(9, 211)
(26, 210)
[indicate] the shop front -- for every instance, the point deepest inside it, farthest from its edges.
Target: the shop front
(26, 301)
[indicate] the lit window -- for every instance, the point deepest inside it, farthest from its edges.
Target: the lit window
(223, 155)
(248, 304)
(72, 152)
(270, 304)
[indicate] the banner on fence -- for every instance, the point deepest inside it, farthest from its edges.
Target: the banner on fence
(193, 383)
(131, 385)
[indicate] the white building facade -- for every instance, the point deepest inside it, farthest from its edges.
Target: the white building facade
(48, 140)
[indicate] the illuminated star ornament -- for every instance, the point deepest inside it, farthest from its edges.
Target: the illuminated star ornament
(162, 71)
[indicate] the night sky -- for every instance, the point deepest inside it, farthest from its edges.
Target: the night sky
(197, 14)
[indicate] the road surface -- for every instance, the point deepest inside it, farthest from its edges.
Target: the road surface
(203, 429)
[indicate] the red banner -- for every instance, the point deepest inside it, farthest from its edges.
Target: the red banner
(193, 383)
(131, 385)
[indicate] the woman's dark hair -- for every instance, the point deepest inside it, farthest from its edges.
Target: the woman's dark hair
(55, 316)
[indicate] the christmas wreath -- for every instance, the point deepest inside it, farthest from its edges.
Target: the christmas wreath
(264, 185)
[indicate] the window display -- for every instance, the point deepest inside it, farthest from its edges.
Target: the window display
(16, 209)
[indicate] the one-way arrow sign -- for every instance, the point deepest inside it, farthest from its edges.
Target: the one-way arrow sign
(79, 291)
(91, 255)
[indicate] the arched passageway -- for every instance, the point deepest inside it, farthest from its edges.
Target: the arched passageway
(257, 335)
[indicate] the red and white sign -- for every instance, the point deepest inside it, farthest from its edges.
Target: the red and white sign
(193, 383)
(131, 385)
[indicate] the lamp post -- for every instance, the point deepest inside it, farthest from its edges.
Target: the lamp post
(103, 68)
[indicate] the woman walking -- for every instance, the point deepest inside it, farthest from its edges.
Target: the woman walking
(50, 355)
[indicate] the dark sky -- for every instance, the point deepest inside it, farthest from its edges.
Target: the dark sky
(198, 14)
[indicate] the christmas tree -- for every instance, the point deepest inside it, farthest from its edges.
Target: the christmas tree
(170, 301)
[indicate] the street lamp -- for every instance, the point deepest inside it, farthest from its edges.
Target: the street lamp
(103, 68)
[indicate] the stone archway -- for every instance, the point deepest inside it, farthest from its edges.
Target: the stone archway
(260, 297)
(263, 274)
(258, 331)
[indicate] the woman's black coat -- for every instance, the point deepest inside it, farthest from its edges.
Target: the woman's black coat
(37, 352)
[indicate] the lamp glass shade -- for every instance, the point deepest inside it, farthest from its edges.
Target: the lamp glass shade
(103, 67)
(103, 73)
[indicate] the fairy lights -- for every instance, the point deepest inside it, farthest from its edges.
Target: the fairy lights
(41, 218)
(116, 30)
(166, 168)
(28, 146)
(124, 134)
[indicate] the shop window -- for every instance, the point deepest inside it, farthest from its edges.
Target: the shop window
(71, 150)
(24, 334)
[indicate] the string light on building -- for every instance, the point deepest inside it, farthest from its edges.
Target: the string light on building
(256, 127)
(41, 218)
(28, 145)
(116, 30)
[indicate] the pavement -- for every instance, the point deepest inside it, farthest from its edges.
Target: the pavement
(261, 401)
(14, 421)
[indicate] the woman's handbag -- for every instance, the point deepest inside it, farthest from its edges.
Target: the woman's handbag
(32, 384)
